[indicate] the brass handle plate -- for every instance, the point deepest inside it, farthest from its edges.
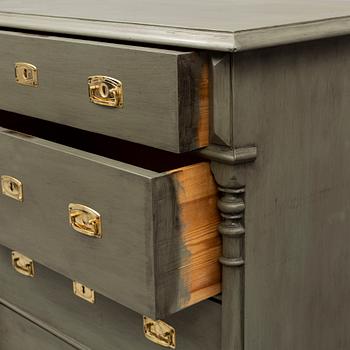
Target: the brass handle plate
(85, 220)
(84, 292)
(105, 91)
(159, 332)
(26, 74)
(22, 264)
(12, 187)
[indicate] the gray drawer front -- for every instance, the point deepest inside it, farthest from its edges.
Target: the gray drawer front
(17, 333)
(159, 250)
(104, 325)
(165, 91)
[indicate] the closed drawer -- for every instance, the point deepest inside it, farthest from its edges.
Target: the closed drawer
(17, 333)
(165, 92)
(158, 245)
(48, 298)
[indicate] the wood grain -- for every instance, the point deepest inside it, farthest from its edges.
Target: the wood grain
(196, 194)
(203, 127)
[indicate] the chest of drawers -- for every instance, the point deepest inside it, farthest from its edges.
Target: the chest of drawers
(174, 175)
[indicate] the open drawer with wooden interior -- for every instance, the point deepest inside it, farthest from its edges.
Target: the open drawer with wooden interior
(145, 238)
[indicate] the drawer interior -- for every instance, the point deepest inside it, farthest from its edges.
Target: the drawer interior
(110, 147)
(160, 246)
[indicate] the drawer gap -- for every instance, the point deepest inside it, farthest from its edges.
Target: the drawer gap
(125, 151)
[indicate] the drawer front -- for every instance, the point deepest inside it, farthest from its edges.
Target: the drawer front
(17, 333)
(158, 247)
(104, 325)
(165, 92)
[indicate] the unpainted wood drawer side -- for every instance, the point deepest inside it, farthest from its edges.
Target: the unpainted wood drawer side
(193, 90)
(191, 272)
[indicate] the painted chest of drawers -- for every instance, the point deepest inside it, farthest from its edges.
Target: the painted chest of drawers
(174, 174)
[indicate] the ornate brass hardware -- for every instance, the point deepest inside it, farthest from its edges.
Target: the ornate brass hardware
(22, 264)
(159, 332)
(105, 91)
(84, 292)
(26, 74)
(85, 220)
(12, 187)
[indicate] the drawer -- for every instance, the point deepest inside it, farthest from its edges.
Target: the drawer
(17, 333)
(164, 92)
(145, 239)
(106, 325)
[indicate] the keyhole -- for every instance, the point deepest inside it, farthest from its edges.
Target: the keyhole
(83, 289)
(104, 90)
(27, 74)
(13, 187)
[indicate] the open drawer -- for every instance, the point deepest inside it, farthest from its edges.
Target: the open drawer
(156, 97)
(145, 239)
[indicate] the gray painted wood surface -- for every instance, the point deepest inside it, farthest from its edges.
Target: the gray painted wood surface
(104, 325)
(221, 124)
(138, 209)
(219, 25)
(161, 88)
(16, 333)
(297, 217)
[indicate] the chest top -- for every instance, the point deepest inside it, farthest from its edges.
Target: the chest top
(218, 25)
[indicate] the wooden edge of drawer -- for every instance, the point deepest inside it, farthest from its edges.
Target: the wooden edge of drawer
(187, 259)
(193, 90)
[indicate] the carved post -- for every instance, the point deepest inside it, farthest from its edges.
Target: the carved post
(224, 163)
(231, 206)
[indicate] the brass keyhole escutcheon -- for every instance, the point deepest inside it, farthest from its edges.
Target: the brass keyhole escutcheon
(12, 187)
(83, 292)
(105, 91)
(26, 74)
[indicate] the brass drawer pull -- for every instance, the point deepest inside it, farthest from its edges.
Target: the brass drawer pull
(22, 264)
(84, 292)
(85, 220)
(26, 74)
(12, 187)
(159, 332)
(105, 91)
